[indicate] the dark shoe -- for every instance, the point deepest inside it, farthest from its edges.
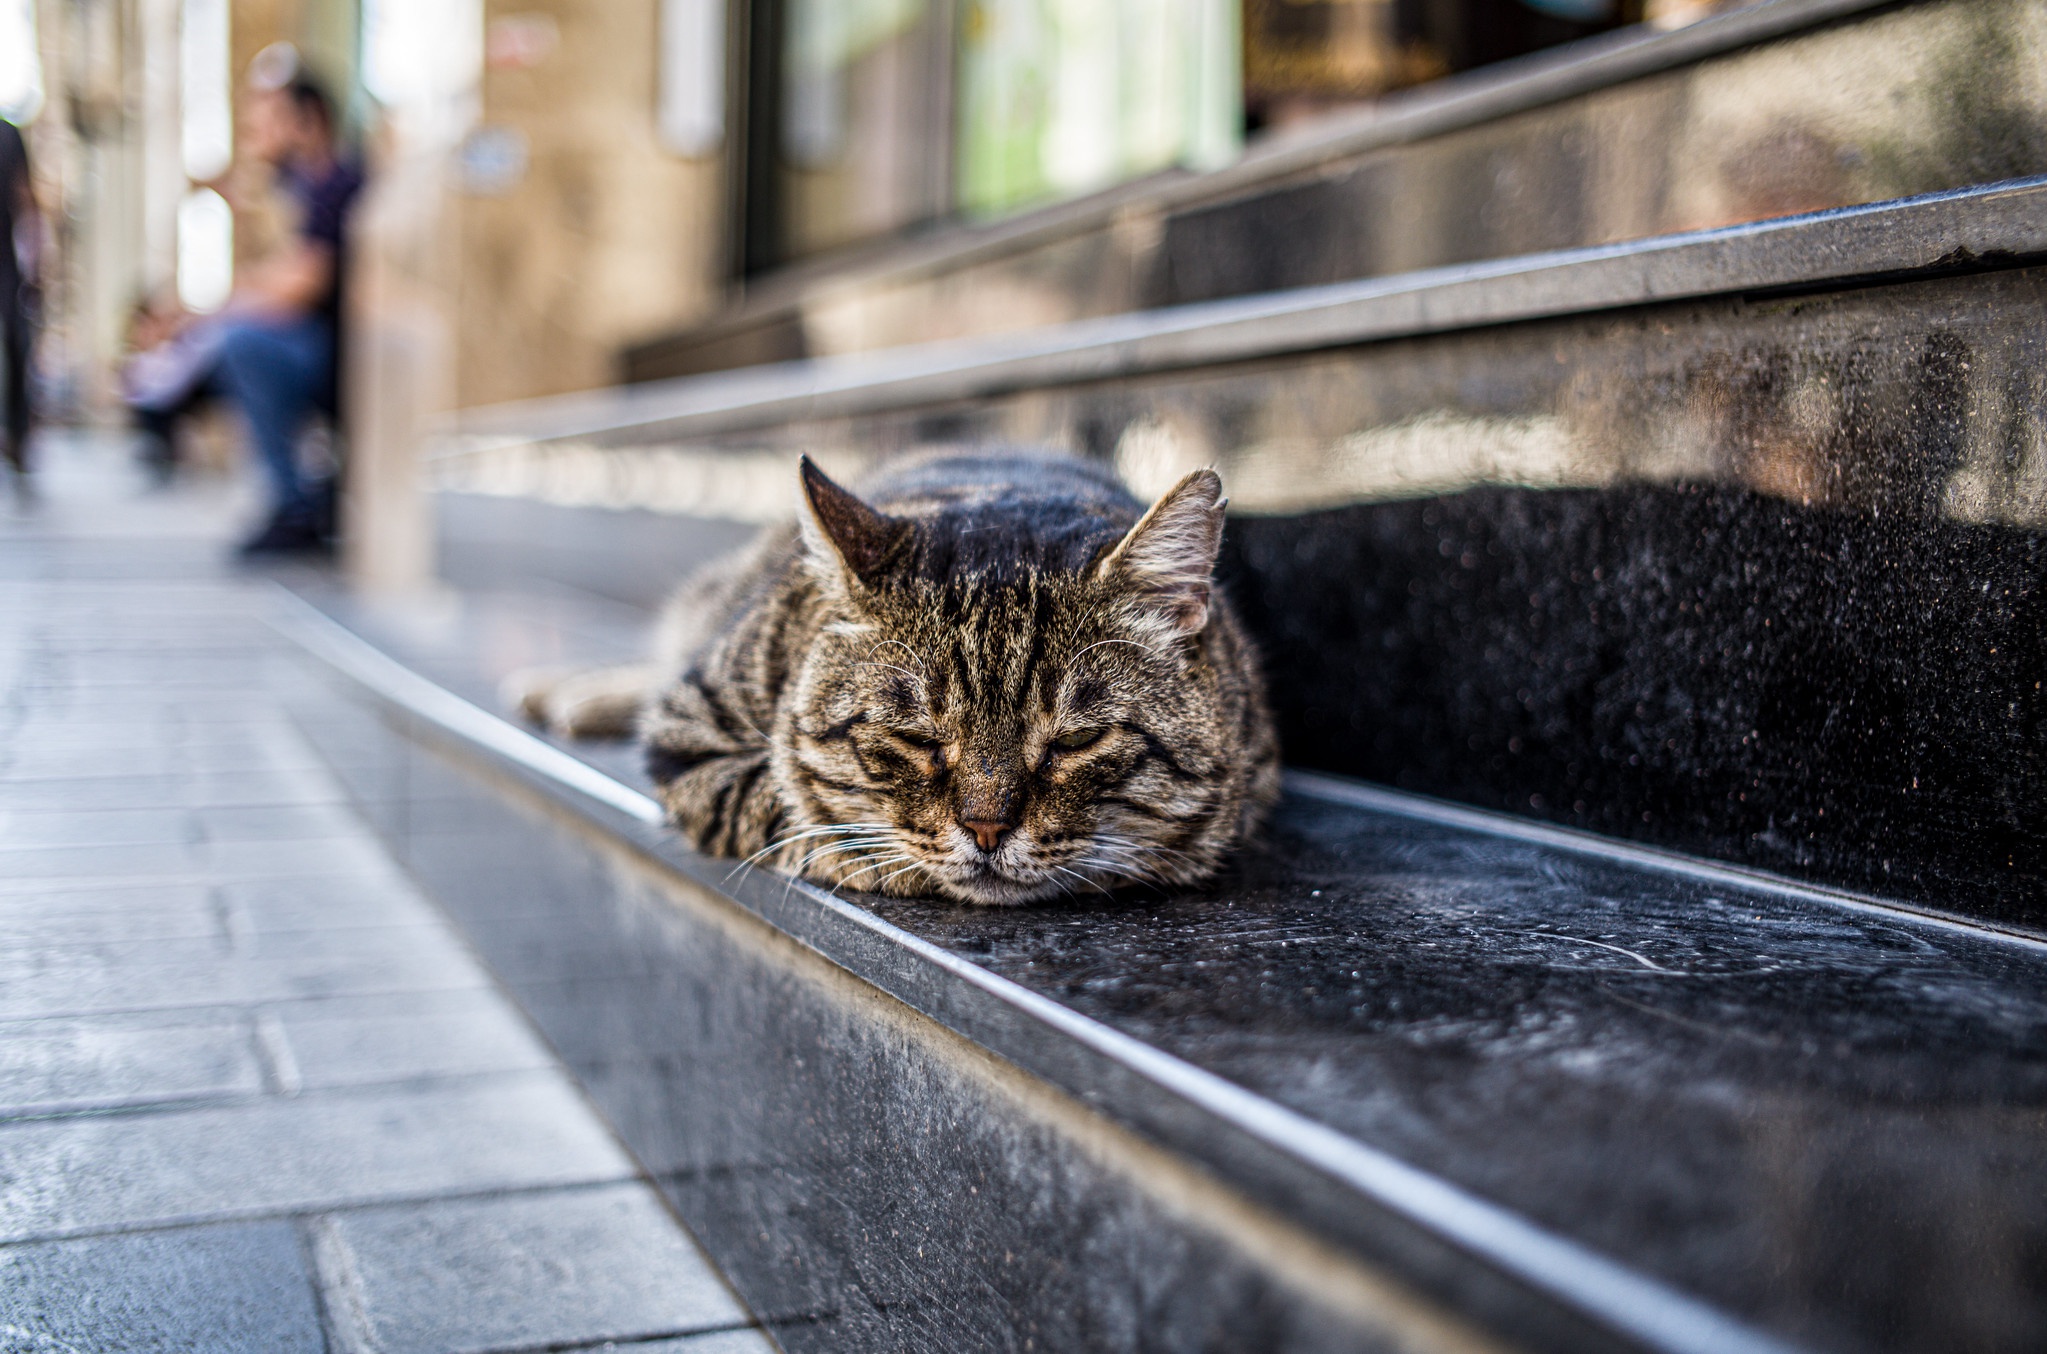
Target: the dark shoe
(288, 533)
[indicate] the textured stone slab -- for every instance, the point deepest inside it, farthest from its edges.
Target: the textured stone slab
(54, 1066)
(29, 921)
(276, 822)
(719, 1342)
(313, 903)
(29, 829)
(196, 790)
(322, 856)
(563, 1268)
(331, 1049)
(25, 867)
(228, 1289)
(136, 975)
(69, 1176)
(201, 756)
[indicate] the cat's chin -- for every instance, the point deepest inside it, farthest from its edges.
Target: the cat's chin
(989, 889)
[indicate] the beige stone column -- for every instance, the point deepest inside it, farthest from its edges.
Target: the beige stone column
(399, 368)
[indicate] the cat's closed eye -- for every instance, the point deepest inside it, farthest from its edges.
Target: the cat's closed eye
(931, 749)
(1075, 739)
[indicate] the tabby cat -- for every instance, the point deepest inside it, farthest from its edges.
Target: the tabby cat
(997, 678)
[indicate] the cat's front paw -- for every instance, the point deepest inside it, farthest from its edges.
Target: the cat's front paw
(579, 702)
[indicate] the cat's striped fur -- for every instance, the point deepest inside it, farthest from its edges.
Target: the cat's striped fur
(988, 680)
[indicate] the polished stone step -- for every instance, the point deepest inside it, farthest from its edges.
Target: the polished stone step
(1411, 1076)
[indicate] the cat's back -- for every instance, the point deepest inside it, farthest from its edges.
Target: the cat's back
(1002, 514)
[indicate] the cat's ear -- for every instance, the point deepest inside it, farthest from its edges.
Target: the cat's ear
(843, 533)
(1169, 556)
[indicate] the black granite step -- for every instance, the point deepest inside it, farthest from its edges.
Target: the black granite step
(1412, 1076)
(1732, 542)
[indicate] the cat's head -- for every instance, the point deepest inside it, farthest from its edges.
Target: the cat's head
(1007, 724)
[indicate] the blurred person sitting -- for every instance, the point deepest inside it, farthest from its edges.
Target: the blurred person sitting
(166, 377)
(21, 235)
(275, 354)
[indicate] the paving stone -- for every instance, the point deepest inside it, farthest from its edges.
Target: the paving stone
(154, 861)
(321, 857)
(522, 1130)
(32, 830)
(197, 790)
(557, 1268)
(53, 1066)
(106, 916)
(314, 904)
(718, 1342)
(330, 1050)
(276, 822)
(135, 975)
(202, 1290)
(190, 756)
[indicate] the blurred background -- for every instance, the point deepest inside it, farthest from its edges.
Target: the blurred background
(563, 194)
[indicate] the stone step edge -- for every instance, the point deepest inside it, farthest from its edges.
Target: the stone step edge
(1980, 229)
(1396, 1216)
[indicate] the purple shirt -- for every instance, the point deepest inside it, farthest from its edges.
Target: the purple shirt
(325, 202)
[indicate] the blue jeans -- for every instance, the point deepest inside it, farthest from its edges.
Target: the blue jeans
(276, 371)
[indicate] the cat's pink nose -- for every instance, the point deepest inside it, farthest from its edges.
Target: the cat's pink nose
(987, 833)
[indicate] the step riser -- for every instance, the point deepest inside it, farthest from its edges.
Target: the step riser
(867, 1178)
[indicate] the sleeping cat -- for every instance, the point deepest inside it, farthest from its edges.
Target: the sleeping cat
(996, 678)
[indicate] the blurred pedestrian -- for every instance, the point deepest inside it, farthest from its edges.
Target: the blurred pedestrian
(277, 352)
(21, 240)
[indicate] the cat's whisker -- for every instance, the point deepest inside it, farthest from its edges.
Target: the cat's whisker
(802, 834)
(863, 845)
(882, 883)
(916, 677)
(882, 863)
(1091, 883)
(915, 657)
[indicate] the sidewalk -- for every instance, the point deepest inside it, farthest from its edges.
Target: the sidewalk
(254, 1096)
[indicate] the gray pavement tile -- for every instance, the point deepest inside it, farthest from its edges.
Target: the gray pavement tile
(425, 1005)
(202, 1290)
(29, 829)
(46, 734)
(27, 865)
(324, 857)
(95, 918)
(332, 1150)
(276, 822)
(719, 1342)
(330, 1050)
(62, 896)
(196, 790)
(104, 1062)
(316, 904)
(37, 870)
(185, 757)
(138, 975)
(568, 1267)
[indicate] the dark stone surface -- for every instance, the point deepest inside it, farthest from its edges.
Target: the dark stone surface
(1852, 697)
(220, 1290)
(1824, 1117)
(1828, 1120)
(866, 1181)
